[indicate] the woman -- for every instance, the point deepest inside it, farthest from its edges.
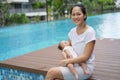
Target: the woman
(67, 49)
(82, 39)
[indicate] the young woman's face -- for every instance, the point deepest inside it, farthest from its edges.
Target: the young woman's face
(77, 15)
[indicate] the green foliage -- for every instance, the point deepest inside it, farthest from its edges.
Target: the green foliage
(22, 19)
(106, 1)
(8, 20)
(57, 4)
(17, 19)
(36, 5)
(98, 6)
(35, 19)
(58, 7)
(3, 13)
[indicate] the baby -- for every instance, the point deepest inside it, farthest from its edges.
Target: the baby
(67, 49)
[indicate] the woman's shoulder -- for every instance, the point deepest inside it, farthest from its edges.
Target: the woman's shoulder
(91, 29)
(73, 29)
(91, 34)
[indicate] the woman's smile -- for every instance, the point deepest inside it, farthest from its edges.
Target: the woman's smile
(77, 16)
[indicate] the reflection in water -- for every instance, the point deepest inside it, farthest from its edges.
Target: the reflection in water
(106, 25)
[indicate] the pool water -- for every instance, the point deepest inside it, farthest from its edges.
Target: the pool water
(22, 39)
(11, 74)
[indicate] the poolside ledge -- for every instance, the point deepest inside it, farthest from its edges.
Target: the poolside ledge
(107, 60)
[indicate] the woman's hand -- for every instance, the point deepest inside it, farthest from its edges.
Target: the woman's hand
(64, 62)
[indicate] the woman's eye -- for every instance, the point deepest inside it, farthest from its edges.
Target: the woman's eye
(77, 14)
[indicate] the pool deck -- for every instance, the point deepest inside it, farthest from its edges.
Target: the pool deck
(107, 60)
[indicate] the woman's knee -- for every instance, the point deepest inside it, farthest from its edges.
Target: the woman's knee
(50, 74)
(52, 70)
(54, 73)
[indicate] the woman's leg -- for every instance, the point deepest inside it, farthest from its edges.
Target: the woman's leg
(54, 74)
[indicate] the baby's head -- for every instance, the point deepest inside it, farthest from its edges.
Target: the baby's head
(62, 44)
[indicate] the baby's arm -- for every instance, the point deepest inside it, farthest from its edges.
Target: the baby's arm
(64, 55)
(68, 54)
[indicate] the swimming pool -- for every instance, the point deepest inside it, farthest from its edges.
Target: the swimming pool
(19, 40)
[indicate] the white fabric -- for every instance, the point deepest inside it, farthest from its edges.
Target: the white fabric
(70, 49)
(69, 76)
(78, 44)
(79, 41)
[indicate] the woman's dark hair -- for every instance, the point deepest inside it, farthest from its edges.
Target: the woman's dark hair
(83, 9)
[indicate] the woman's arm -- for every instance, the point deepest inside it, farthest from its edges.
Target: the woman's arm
(87, 53)
(83, 58)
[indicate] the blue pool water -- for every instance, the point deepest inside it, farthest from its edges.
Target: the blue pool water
(11, 74)
(19, 40)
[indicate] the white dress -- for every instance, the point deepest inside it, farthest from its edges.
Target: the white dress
(78, 43)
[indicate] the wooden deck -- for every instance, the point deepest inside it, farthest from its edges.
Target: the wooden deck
(107, 60)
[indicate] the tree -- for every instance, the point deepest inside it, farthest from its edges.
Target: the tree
(3, 13)
(18, 19)
(58, 5)
(37, 5)
(106, 4)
